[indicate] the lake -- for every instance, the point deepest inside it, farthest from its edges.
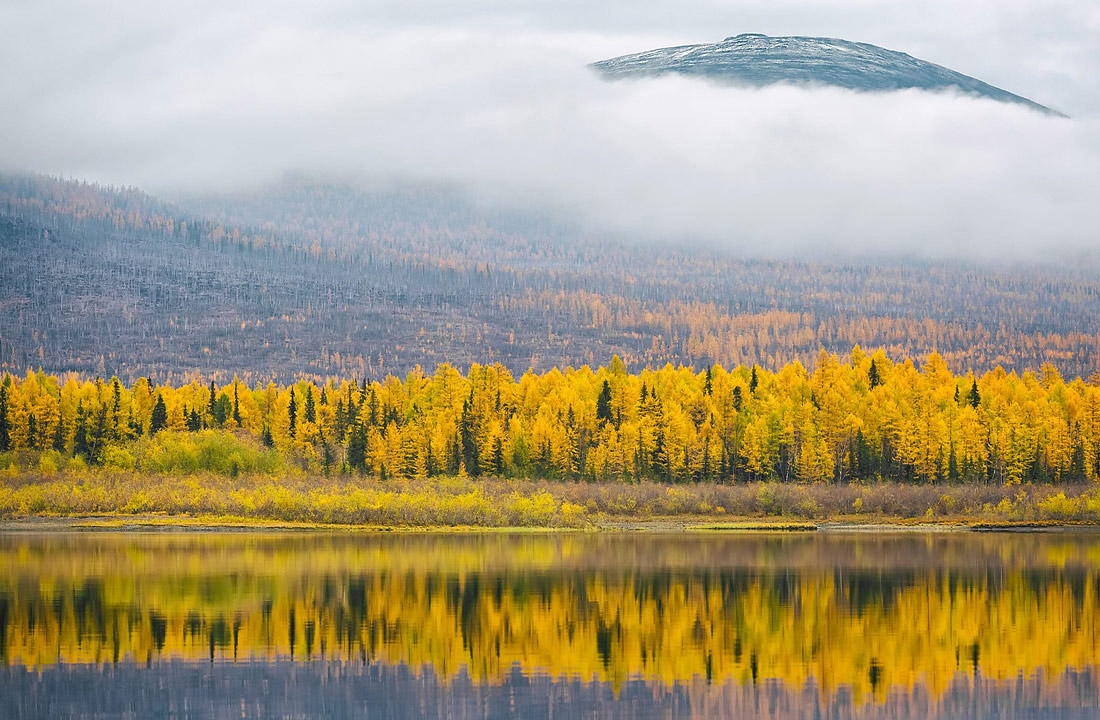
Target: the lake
(409, 625)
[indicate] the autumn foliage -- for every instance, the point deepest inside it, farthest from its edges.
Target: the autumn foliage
(863, 417)
(741, 609)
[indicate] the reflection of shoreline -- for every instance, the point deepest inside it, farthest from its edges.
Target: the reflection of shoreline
(356, 689)
(202, 599)
(79, 554)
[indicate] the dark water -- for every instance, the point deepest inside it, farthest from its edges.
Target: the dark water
(549, 626)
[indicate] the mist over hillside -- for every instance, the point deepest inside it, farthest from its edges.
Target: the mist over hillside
(500, 101)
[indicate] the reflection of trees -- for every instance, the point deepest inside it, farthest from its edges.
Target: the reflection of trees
(857, 627)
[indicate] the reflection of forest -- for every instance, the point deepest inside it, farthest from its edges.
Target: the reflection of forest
(818, 610)
(376, 690)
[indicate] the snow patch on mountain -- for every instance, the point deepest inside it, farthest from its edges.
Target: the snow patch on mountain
(756, 60)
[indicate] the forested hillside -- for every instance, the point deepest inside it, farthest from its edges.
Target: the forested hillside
(861, 417)
(309, 280)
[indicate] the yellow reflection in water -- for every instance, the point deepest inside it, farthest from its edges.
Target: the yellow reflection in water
(869, 613)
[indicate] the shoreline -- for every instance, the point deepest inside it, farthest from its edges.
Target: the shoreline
(669, 525)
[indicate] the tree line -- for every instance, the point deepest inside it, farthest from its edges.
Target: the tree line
(860, 417)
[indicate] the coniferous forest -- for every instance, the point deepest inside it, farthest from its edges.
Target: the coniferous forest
(861, 417)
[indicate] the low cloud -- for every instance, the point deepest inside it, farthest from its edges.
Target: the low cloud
(516, 117)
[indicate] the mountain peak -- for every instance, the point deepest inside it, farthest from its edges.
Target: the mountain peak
(757, 60)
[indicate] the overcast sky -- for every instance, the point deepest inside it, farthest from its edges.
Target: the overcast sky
(494, 95)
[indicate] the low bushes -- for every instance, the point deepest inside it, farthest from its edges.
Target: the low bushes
(283, 496)
(216, 452)
(445, 502)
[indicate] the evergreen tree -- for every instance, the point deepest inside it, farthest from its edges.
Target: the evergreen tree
(603, 403)
(326, 454)
(116, 406)
(159, 419)
(1077, 464)
(576, 459)
(5, 421)
(861, 459)
(80, 438)
(292, 413)
(737, 401)
(59, 434)
(194, 420)
(542, 462)
(974, 398)
(659, 457)
(352, 408)
(872, 375)
(498, 458)
(213, 399)
(341, 418)
(98, 435)
(708, 385)
(269, 441)
(236, 406)
(454, 458)
(753, 381)
(469, 441)
(311, 413)
(222, 410)
(357, 448)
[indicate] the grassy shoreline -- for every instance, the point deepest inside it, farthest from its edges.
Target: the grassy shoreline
(230, 524)
(120, 499)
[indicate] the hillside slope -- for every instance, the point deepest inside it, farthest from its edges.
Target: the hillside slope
(110, 281)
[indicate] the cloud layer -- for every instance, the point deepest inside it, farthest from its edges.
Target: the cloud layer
(497, 98)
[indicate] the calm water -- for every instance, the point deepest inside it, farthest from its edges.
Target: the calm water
(549, 626)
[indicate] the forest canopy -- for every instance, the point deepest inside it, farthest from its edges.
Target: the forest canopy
(860, 417)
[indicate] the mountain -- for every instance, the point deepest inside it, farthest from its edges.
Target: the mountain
(756, 60)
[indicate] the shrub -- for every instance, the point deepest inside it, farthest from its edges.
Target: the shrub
(766, 500)
(206, 451)
(118, 458)
(1059, 507)
(50, 461)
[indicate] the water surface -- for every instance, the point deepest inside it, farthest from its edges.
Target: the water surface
(572, 625)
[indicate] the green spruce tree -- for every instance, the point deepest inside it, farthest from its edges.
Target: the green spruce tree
(5, 419)
(603, 403)
(292, 414)
(159, 419)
